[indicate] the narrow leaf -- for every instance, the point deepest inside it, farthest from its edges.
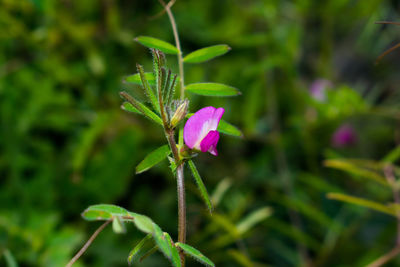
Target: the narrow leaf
(176, 260)
(362, 202)
(171, 90)
(220, 191)
(152, 42)
(10, 260)
(252, 219)
(143, 223)
(161, 242)
(128, 107)
(135, 78)
(105, 212)
(227, 128)
(118, 226)
(134, 254)
(153, 158)
(200, 185)
(353, 168)
(212, 89)
(137, 106)
(147, 88)
(191, 251)
(207, 53)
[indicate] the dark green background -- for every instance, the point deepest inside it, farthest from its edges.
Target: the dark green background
(65, 144)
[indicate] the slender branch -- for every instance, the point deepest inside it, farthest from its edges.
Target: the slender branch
(171, 140)
(87, 244)
(387, 22)
(181, 210)
(387, 52)
(167, 8)
(159, 14)
(385, 258)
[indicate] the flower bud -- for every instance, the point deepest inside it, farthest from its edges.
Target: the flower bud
(180, 113)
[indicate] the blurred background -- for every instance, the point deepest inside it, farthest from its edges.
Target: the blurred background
(311, 92)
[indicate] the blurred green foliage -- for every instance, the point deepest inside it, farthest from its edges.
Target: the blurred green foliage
(65, 144)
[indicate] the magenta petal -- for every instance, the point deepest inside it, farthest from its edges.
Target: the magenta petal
(200, 124)
(209, 143)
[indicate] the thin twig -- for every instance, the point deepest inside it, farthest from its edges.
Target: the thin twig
(387, 22)
(387, 52)
(87, 244)
(385, 258)
(159, 14)
(179, 56)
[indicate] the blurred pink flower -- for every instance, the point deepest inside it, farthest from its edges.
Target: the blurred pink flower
(318, 89)
(344, 136)
(200, 131)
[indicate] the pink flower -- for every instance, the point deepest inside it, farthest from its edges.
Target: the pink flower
(200, 131)
(318, 89)
(344, 136)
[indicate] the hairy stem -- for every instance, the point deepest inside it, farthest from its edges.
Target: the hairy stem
(171, 140)
(167, 8)
(180, 179)
(181, 209)
(85, 247)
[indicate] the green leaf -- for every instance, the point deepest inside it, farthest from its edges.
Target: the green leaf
(128, 107)
(161, 242)
(191, 251)
(200, 185)
(147, 88)
(252, 219)
(207, 53)
(134, 254)
(137, 106)
(153, 158)
(135, 78)
(176, 260)
(240, 258)
(354, 167)
(227, 128)
(212, 89)
(152, 42)
(220, 191)
(143, 223)
(105, 212)
(118, 226)
(10, 260)
(363, 203)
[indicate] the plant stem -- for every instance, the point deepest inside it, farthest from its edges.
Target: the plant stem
(87, 244)
(180, 179)
(181, 210)
(178, 46)
(167, 8)
(385, 258)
